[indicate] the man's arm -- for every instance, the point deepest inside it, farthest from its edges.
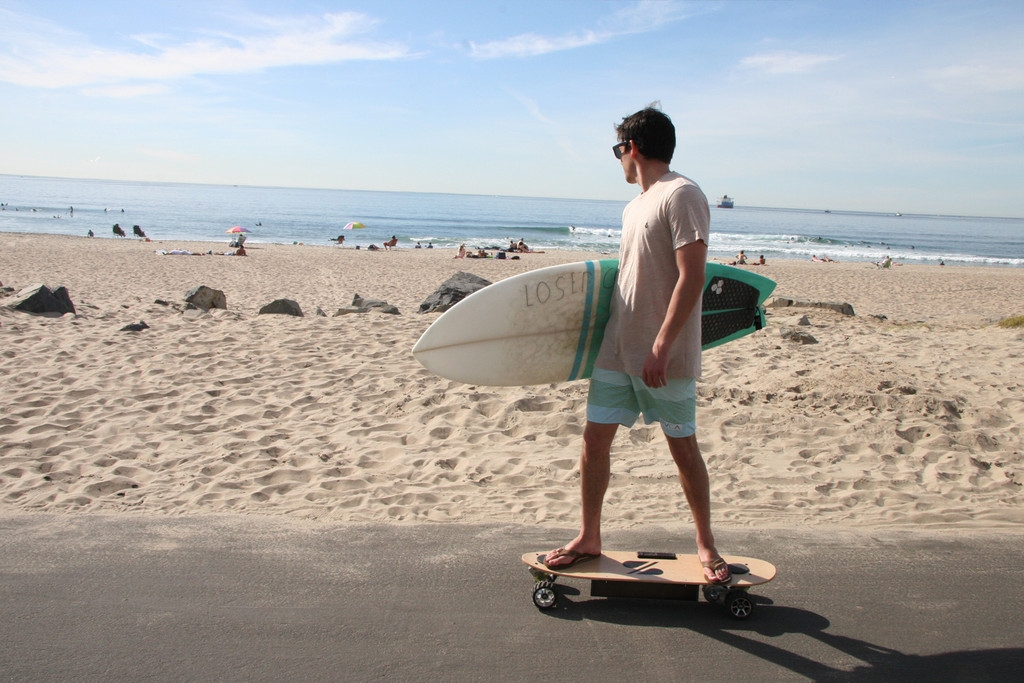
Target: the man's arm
(690, 260)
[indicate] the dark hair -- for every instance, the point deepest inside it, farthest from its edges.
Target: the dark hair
(652, 131)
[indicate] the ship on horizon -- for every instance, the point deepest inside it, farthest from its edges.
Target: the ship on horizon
(725, 202)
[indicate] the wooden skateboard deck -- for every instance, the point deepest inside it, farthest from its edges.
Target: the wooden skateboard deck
(653, 575)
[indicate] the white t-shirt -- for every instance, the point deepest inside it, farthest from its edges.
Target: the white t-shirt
(670, 214)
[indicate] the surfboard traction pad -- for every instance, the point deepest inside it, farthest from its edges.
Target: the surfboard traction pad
(732, 307)
(656, 575)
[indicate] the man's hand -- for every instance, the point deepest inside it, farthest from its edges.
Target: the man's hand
(655, 370)
(690, 260)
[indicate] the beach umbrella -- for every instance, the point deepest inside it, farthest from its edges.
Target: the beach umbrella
(354, 226)
(237, 229)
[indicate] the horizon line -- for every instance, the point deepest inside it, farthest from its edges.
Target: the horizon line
(711, 203)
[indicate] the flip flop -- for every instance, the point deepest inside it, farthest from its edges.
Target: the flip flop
(714, 565)
(574, 556)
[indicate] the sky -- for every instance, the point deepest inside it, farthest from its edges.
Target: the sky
(902, 106)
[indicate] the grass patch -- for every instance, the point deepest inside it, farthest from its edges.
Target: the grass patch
(1015, 321)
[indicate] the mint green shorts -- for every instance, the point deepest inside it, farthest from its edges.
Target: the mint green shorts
(618, 398)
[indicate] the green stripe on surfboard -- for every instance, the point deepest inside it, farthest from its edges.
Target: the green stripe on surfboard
(600, 286)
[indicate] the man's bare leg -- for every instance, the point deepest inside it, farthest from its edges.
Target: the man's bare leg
(595, 471)
(693, 474)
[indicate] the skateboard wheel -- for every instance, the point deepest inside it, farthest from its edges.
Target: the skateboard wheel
(739, 604)
(544, 595)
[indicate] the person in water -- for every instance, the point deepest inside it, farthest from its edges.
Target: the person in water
(650, 358)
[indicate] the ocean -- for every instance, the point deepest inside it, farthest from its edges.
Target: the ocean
(179, 211)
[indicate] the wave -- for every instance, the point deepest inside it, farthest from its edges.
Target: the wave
(559, 230)
(584, 230)
(804, 247)
(777, 239)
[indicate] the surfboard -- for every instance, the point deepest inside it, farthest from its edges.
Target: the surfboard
(547, 325)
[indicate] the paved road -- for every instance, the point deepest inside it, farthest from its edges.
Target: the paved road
(140, 598)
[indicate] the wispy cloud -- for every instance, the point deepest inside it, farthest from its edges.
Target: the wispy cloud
(649, 15)
(786, 62)
(35, 53)
(978, 77)
(531, 106)
(641, 17)
(531, 44)
(557, 132)
(126, 92)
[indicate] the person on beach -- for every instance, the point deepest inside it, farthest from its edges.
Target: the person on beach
(462, 251)
(650, 358)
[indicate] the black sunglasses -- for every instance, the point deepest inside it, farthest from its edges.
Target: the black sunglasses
(620, 149)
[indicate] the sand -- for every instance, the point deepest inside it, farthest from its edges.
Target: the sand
(907, 413)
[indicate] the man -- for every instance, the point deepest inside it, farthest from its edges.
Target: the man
(649, 361)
